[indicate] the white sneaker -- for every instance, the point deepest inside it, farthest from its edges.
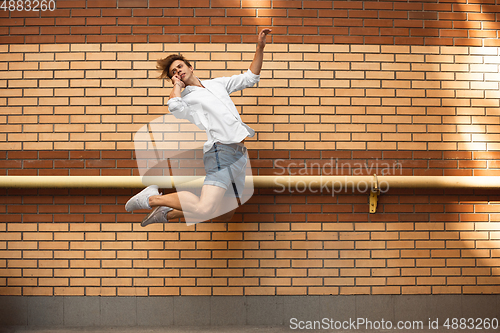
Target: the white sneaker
(141, 199)
(158, 215)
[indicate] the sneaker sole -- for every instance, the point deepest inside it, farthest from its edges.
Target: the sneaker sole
(149, 215)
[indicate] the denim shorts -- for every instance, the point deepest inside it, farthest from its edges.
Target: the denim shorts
(225, 167)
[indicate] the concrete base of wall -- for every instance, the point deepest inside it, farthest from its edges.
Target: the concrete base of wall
(238, 310)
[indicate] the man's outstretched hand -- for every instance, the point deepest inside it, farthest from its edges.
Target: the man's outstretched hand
(262, 37)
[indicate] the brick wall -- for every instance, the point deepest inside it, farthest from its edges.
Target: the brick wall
(406, 88)
(458, 23)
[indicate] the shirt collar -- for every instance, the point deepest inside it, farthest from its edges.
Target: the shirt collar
(190, 89)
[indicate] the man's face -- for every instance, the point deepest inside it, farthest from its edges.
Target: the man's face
(181, 70)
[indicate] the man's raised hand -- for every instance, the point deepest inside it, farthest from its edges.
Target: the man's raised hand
(262, 37)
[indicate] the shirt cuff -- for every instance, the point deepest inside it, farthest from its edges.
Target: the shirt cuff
(253, 77)
(174, 104)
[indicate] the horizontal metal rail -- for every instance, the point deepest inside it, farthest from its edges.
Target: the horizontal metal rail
(278, 181)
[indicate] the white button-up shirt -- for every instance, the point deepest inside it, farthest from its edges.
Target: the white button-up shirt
(212, 109)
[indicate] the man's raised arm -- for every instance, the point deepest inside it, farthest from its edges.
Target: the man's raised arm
(256, 64)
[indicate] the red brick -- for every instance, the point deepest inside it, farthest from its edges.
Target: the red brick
(132, 3)
(422, 16)
(468, 42)
(287, 4)
(85, 12)
(193, 21)
(332, 13)
(116, 12)
(213, 13)
(444, 7)
(409, 41)
(159, 30)
(481, 16)
(393, 15)
(37, 22)
(101, 21)
(71, 4)
(21, 13)
(147, 12)
(347, 22)
(248, 14)
(377, 23)
(364, 31)
(347, 5)
(348, 40)
(164, 3)
(70, 21)
(116, 30)
(132, 21)
(101, 3)
(24, 30)
(408, 24)
(216, 31)
(194, 39)
(424, 32)
(363, 13)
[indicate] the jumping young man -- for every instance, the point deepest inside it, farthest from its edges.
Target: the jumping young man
(208, 105)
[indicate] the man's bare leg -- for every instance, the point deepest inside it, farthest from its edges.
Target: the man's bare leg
(203, 207)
